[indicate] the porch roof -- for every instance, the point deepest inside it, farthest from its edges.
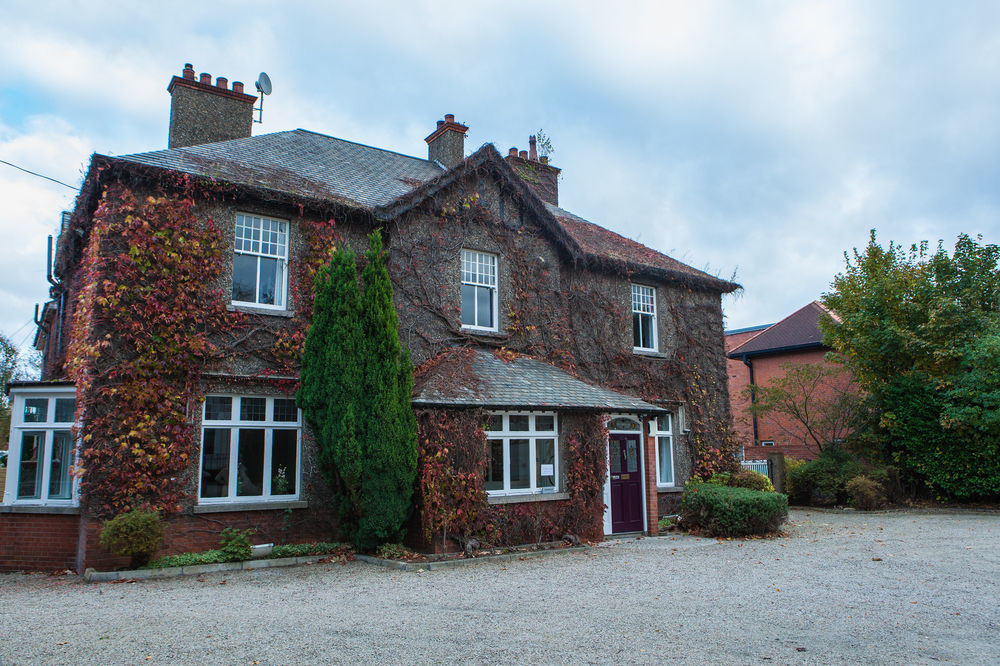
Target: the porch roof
(478, 378)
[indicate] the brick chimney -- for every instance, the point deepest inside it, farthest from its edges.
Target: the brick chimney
(204, 113)
(446, 144)
(540, 176)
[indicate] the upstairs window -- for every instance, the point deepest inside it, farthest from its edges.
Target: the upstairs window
(260, 261)
(479, 290)
(643, 317)
(41, 454)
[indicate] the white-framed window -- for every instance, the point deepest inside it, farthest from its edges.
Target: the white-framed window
(523, 453)
(250, 449)
(663, 432)
(767, 442)
(479, 290)
(643, 317)
(42, 454)
(260, 262)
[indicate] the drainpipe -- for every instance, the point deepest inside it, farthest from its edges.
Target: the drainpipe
(753, 396)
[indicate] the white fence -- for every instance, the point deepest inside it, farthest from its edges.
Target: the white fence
(756, 466)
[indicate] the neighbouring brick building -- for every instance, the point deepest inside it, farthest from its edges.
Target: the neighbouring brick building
(556, 321)
(756, 355)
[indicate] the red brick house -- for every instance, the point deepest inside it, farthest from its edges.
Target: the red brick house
(556, 330)
(755, 356)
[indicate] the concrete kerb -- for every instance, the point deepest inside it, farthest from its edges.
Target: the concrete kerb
(94, 576)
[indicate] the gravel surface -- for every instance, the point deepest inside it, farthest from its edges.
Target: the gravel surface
(847, 587)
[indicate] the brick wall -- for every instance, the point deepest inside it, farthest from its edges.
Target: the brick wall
(38, 542)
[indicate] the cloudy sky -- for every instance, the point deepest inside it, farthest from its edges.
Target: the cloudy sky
(751, 139)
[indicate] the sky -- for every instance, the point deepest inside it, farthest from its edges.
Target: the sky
(758, 141)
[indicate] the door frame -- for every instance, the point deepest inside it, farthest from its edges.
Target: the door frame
(638, 431)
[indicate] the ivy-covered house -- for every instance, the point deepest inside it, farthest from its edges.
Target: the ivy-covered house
(568, 380)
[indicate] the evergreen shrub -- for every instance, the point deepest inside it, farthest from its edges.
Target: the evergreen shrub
(747, 478)
(865, 494)
(235, 544)
(136, 534)
(728, 512)
(823, 481)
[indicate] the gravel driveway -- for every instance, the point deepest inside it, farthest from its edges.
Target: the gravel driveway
(842, 587)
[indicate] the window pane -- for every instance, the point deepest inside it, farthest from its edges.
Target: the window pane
(545, 455)
(468, 305)
(215, 463)
(494, 470)
(632, 456)
(665, 453)
(268, 281)
(494, 422)
(663, 423)
(636, 330)
(218, 408)
(646, 322)
(545, 423)
(244, 278)
(250, 463)
(484, 305)
(284, 471)
(65, 409)
(285, 410)
(253, 409)
(615, 456)
(520, 470)
(29, 478)
(59, 481)
(519, 422)
(623, 423)
(36, 410)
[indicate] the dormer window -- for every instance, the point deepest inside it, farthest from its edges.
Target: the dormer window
(643, 318)
(479, 290)
(260, 261)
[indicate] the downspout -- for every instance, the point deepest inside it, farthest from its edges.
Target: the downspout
(753, 397)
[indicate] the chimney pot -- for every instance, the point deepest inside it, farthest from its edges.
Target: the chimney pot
(188, 72)
(222, 82)
(440, 123)
(512, 152)
(523, 154)
(205, 77)
(544, 159)
(237, 86)
(532, 149)
(449, 117)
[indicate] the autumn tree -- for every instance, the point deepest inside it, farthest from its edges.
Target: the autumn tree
(820, 403)
(921, 332)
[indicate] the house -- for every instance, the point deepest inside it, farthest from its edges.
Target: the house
(759, 355)
(586, 369)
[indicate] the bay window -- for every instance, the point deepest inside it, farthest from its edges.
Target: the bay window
(523, 451)
(40, 460)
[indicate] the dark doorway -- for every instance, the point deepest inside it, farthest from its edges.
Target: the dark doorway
(626, 483)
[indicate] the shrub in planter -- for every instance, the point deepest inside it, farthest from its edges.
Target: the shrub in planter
(727, 511)
(235, 544)
(137, 534)
(747, 478)
(865, 494)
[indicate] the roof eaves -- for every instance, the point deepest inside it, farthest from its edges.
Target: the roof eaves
(736, 353)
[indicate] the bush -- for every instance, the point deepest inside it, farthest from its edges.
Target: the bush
(726, 511)
(188, 559)
(791, 466)
(866, 494)
(747, 478)
(137, 534)
(235, 544)
(305, 549)
(823, 481)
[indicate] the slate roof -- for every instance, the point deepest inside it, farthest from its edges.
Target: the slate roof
(301, 162)
(518, 383)
(799, 330)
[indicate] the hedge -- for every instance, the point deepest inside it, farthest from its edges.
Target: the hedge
(727, 511)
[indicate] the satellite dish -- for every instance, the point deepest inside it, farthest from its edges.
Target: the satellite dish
(263, 83)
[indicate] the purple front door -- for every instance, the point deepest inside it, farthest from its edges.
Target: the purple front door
(626, 483)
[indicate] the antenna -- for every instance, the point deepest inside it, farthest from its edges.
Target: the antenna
(263, 85)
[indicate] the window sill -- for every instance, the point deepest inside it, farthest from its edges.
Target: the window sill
(484, 332)
(250, 309)
(533, 497)
(38, 508)
(669, 489)
(251, 506)
(648, 352)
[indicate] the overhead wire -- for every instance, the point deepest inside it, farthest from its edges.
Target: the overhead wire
(33, 173)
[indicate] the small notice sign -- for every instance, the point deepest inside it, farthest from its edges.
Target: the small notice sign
(548, 470)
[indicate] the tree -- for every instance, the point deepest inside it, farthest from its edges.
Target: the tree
(920, 332)
(356, 382)
(821, 403)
